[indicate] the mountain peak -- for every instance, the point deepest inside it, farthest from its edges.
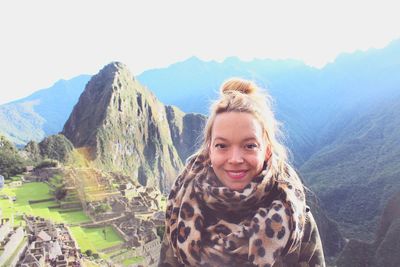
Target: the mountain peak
(113, 69)
(124, 128)
(102, 94)
(114, 66)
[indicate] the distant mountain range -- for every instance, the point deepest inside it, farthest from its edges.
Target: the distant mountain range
(310, 102)
(42, 113)
(342, 121)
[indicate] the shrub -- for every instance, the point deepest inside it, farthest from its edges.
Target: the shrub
(47, 163)
(103, 207)
(89, 252)
(11, 165)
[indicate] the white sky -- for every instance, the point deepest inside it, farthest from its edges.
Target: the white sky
(44, 41)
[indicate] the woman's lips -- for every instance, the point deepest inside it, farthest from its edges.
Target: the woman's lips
(236, 175)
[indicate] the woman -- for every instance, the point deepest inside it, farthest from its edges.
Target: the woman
(238, 202)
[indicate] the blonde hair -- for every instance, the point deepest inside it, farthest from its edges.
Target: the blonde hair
(238, 95)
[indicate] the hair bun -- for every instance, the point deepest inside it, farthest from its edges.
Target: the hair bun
(239, 85)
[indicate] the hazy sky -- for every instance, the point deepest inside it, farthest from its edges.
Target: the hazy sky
(44, 41)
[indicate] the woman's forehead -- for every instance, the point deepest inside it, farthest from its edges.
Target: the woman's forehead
(236, 125)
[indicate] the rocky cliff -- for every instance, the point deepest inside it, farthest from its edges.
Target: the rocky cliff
(186, 130)
(123, 127)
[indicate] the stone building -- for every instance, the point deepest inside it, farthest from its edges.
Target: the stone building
(50, 245)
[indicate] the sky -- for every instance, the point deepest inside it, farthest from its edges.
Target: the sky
(43, 41)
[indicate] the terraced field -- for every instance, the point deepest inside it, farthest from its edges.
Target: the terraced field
(95, 239)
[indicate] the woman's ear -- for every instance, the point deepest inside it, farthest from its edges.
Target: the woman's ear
(268, 153)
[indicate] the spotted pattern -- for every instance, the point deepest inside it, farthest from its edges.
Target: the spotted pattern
(210, 225)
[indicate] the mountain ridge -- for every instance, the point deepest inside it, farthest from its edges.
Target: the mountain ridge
(124, 128)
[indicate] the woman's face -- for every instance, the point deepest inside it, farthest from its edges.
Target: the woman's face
(237, 149)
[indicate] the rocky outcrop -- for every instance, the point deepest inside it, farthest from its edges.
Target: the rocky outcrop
(186, 130)
(124, 128)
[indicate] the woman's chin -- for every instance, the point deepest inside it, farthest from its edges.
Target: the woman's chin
(236, 186)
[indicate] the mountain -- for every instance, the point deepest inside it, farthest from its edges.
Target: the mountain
(356, 174)
(341, 123)
(193, 84)
(384, 251)
(121, 126)
(313, 104)
(331, 237)
(41, 114)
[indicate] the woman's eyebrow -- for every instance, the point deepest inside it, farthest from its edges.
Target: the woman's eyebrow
(251, 138)
(220, 138)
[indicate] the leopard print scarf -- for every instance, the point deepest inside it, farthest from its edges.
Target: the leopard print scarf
(208, 224)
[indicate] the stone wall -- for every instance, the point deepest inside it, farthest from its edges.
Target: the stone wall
(5, 228)
(14, 242)
(127, 255)
(113, 248)
(151, 252)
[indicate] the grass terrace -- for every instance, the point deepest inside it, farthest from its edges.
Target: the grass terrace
(36, 191)
(87, 238)
(95, 239)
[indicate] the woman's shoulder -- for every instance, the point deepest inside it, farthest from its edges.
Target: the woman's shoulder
(309, 251)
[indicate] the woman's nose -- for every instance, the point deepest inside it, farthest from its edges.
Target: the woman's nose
(236, 156)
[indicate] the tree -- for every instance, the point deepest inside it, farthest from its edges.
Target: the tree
(89, 252)
(47, 163)
(11, 163)
(60, 192)
(33, 151)
(56, 147)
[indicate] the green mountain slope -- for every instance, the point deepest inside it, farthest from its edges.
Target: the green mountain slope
(384, 251)
(355, 175)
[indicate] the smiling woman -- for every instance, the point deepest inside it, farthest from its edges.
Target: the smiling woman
(237, 156)
(238, 202)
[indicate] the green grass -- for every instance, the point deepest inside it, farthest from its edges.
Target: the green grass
(163, 203)
(130, 261)
(93, 238)
(15, 178)
(36, 191)
(56, 180)
(126, 262)
(87, 238)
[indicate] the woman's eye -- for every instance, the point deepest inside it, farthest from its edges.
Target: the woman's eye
(251, 146)
(220, 146)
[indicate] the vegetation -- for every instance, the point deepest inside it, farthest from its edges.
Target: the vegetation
(42, 113)
(94, 238)
(47, 163)
(356, 175)
(36, 191)
(33, 152)
(56, 147)
(11, 163)
(130, 261)
(103, 207)
(58, 187)
(89, 252)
